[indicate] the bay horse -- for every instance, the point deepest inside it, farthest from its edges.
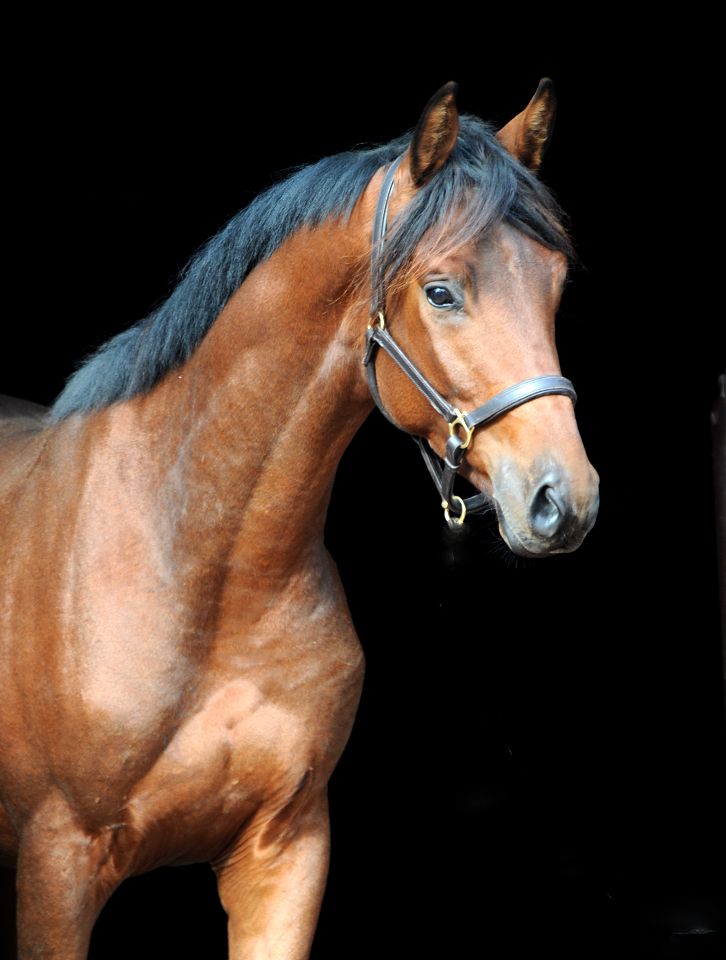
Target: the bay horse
(180, 672)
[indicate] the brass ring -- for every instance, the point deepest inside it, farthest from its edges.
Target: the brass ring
(445, 505)
(469, 430)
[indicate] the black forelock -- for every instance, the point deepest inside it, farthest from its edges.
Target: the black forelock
(480, 186)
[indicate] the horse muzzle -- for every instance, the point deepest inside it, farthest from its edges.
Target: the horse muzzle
(546, 513)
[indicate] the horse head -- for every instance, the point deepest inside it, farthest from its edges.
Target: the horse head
(471, 272)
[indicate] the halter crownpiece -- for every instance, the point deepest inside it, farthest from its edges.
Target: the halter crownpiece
(443, 472)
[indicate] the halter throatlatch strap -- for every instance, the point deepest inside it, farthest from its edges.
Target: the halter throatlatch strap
(443, 472)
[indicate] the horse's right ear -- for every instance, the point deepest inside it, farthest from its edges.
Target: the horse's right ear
(434, 136)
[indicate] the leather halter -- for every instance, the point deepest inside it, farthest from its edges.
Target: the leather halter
(442, 473)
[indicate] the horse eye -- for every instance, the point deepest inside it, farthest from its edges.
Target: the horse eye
(440, 296)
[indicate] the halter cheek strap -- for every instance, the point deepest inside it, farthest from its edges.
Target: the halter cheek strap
(443, 472)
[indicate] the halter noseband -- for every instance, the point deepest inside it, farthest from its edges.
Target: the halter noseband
(442, 473)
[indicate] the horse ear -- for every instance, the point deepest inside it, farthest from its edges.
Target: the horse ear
(434, 136)
(528, 135)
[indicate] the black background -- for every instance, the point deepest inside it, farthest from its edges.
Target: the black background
(538, 759)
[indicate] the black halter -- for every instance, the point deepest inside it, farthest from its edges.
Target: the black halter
(442, 473)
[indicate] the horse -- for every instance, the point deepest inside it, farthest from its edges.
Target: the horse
(180, 672)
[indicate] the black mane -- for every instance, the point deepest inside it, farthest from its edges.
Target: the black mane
(478, 187)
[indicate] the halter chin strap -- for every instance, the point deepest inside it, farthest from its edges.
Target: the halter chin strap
(443, 472)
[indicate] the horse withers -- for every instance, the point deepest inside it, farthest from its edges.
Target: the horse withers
(179, 669)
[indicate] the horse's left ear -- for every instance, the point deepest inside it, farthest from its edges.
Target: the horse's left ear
(528, 135)
(434, 136)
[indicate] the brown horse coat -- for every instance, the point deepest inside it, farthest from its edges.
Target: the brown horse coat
(179, 669)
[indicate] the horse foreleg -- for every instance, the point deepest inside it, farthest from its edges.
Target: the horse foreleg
(61, 885)
(271, 883)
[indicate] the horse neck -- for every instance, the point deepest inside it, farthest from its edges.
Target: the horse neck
(246, 437)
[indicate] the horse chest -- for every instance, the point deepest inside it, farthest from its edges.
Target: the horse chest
(240, 758)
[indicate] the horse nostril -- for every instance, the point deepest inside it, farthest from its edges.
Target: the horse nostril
(546, 512)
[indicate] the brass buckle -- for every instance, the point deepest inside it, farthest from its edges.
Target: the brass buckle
(469, 430)
(381, 321)
(445, 505)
